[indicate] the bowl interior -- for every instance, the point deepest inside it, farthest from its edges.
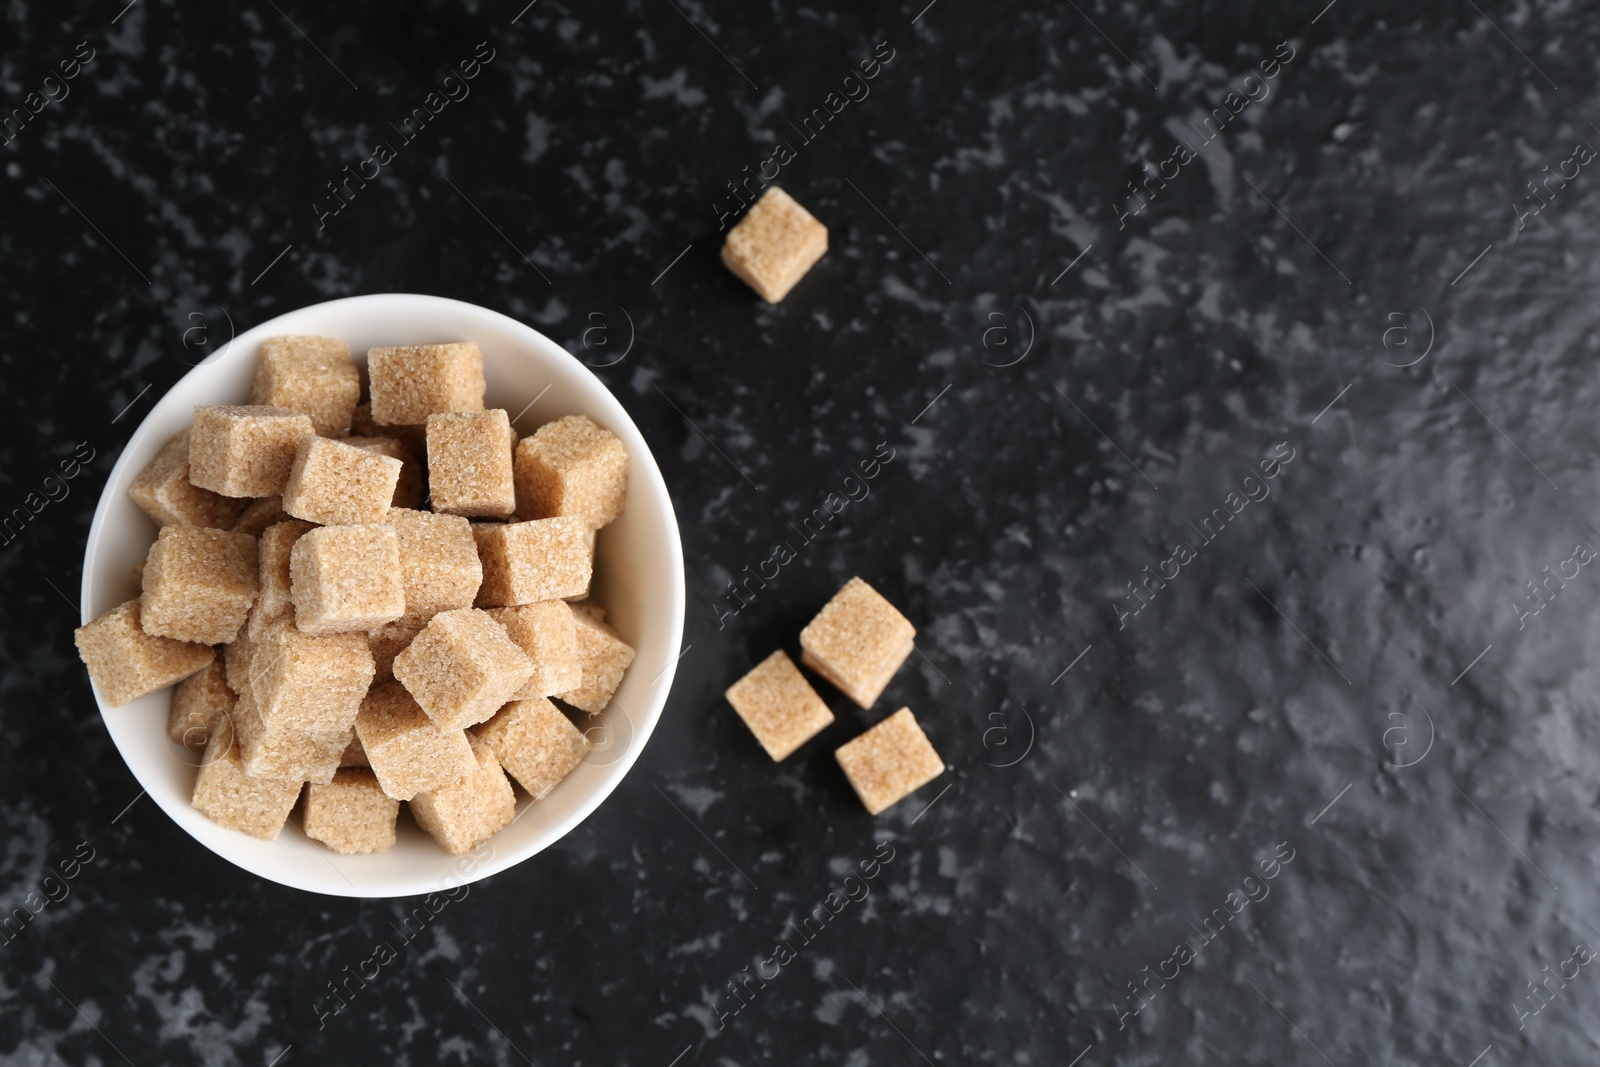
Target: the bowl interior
(638, 569)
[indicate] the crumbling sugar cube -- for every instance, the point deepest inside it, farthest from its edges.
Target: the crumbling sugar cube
(199, 584)
(126, 663)
(346, 578)
(284, 752)
(259, 514)
(857, 641)
(406, 750)
(274, 599)
(309, 682)
(312, 375)
(779, 705)
(414, 437)
(526, 562)
(411, 382)
(408, 490)
(571, 466)
(354, 754)
(547, 635)
(335, 483)
(889, 761)
(464, 815)
(774, 245)
(229, 797)
(605, 657)
(351, 814)
(469, 464)
(198, 702)
(165, 493)
(439, 565)
(388, 641)
(535, 744)
(244, 451)
(462, 668)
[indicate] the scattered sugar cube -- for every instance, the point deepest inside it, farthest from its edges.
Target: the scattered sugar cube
(462, 668)
(197, 703)
(889, 761)
(351, 814)
(165, 493)
(274, 600)
(354, 754)
(411, 382)
(408, 490)
(199, 584)
(774, 245)
(309, 682)
(388, 641)
(346, 578)
(244, 451)
(405, 749)
(535, 744)
(526, 562)
(236, 656)
(547, 635)
(229, 797)
(439, 566)
(605, 657)
(312, 375)
(259, 514)
(284, 752)
(335, 483)
(571, 467)
(414, 437)
(469, 464)
(779, 705)
(857, 641)
(464, 815)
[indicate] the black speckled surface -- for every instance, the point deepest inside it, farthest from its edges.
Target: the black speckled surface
(1340, 680)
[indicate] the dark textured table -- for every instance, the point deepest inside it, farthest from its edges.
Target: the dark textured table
(1243, 769)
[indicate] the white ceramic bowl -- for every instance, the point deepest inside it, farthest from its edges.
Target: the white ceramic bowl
(638, 577)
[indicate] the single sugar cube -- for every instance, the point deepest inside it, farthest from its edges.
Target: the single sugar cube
(165, 493)
(408, 489)
(346, 578)
(857, 641)
(774, 245)
(462, 668)
(259, 514)
(229, 797)
(309, 682)
(284, 752)
(388, 641)
(414, 437)
(535, 744)
(274, 599)
(464, 815)
(406, 750)
(547, 635)
(889, 761)
(605, 657)
(244, 451)
(199, 584)
(312, 375)
(439, 565)
(125, 663)
(469, 464)
(526, 562)
(779, 705)
(411, 382)
(571, 466)
(334, 483)
(198, 702)
(351, 814)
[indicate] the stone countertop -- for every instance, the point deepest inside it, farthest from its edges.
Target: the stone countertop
(1322, 785)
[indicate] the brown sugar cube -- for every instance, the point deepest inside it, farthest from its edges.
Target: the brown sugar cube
(244, 451)
(273, 597)
(889, 761)
(388, 641)
(197, 703)
(774, 245)
(779, 705)
(229, 797)
(605, 657)
(351, 814)
(462, 668)
(469, 464)
(354, 754)
(414, 437)
(411, 382)
(571, 467)
(346, 578)
(336, 484)
(284, 752)
(405, 749)
(165, 493)
(535, 744)
(125, 663)
(857, 641)
(439, 565)
(309, 682)
(464, 815)
(526, 562)
(312, 375)
(547, 635)
(198, 584)
(259, 514)
(408, 490)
